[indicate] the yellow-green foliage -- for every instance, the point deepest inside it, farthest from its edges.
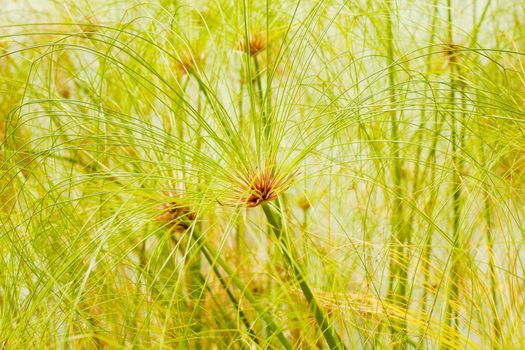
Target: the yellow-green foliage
(262, 174)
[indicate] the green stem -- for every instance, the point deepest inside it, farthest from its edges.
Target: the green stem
(214, 259)
(429, 208)
(397, 286)
(264, 115)
(487, 212)
(259, 83)
(492, 271)
(232, 298)
(453, 287)
(275, 220)
(497, 337)
(143, 264)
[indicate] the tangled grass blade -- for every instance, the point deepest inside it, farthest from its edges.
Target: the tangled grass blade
(262, 174)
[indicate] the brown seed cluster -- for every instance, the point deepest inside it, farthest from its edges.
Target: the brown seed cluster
(261, 190)
(188, 64)
(256, 44)
(177, 217)
(261, 186)
(64, 91)
(304, 203)
(452, 52)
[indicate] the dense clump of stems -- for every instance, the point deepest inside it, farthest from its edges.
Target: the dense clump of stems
(400, 238)
(274, 217)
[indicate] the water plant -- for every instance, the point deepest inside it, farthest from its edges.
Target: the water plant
(262, 174)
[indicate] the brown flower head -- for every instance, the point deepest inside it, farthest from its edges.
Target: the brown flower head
(189, 63)
(64, 91)
(256, 44)
(176, 217)
(260, 186)
(452, 53)
(304, 203)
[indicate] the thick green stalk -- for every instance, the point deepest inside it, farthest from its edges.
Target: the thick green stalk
(240, 229)
(259, 85)
(429, 209)
(497, 341)
(398, 267)
(275, 220)
(453, 286)
(487, 213)
(427, 248)
(265, 119)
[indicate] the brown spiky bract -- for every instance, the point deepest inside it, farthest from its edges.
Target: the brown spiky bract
(177, 217)
(189, 63)
(260, 186)
(256, 44)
